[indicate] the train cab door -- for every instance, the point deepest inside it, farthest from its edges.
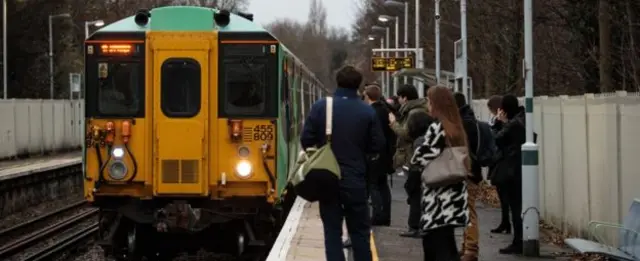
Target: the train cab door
(181, 113)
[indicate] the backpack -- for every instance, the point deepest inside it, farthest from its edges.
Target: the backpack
(486, 145)
(317, 175)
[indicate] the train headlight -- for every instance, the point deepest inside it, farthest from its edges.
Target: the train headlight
(243, 169)
(117, 153)
(117, 170)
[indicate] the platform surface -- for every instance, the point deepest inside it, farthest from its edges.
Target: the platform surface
(302, 237)
(10, 169)
(392, 247)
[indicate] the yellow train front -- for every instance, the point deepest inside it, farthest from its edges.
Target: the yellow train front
(183, 125)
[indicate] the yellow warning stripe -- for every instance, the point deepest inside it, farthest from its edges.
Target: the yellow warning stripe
(374, 250)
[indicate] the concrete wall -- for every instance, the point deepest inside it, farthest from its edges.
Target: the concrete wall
(589, 147)
(31, 127)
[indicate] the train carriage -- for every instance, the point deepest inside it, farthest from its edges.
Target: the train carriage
(192, 123)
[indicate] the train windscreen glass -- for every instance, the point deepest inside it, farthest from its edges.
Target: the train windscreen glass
(118, 87)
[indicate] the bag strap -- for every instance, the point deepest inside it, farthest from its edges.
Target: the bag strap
(329, 120)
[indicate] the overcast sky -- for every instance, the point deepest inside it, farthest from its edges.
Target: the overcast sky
(340, 13)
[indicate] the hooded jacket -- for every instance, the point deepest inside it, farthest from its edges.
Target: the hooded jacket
(404, 144)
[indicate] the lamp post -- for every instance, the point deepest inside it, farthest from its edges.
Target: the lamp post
(51, 17)
(373, 37)
(385, 19)
(530, 191)
(463, 34)
(4, 49)
(384, 42)
(419, 59)
(96, 23)
(387, 76)
(405, 5)
(437, 30)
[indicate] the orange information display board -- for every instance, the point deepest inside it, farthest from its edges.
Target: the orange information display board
(390, 64)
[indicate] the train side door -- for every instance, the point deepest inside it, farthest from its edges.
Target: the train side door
(180, 109)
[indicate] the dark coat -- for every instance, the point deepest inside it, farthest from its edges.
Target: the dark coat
(469, 122)
(414, 174)
(356, 134)
(509, 140)
(496, 126)
(385, 162)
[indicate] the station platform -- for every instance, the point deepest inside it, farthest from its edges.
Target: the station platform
(10, 169)
(301, 239)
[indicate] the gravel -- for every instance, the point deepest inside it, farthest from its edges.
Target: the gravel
(53, 240)
(95, 253)
(92, 253)
(37, 210)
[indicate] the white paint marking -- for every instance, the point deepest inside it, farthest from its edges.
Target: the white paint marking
(281, 247)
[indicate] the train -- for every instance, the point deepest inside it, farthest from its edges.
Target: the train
(192, 122)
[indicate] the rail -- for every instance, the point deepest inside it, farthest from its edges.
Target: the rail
(21, 244)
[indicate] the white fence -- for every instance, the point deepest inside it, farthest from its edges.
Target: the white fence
(39, 126)
(589, 149)
(589, 157)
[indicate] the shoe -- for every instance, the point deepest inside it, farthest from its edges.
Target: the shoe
(411, 233)
(385, 223)
(346, 243)
(468, 258)
(512, 249)
(506, 229)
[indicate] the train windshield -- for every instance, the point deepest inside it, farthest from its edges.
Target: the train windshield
(118, 87)
(245, 84)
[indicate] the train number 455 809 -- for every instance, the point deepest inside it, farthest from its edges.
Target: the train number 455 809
(263, 132)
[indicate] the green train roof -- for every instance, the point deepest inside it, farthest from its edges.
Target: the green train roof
(182, 18)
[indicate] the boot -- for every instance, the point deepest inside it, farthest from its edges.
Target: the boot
(502, 228)
(378, 223)
(514, 248)
(411, 233)
(346, 243)
(468, 258)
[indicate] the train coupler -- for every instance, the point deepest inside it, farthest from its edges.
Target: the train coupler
(175, 216)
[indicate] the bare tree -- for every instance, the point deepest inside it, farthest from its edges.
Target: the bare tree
(321, 48)
(578, 46)
(232, 5)
(604, 23)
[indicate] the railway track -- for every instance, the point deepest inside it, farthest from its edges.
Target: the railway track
(48, 235)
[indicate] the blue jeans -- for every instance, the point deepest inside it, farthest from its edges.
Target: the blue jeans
(351, 206)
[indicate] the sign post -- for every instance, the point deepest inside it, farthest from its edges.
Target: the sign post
(460, 71)
(391, 64)
(75, 82)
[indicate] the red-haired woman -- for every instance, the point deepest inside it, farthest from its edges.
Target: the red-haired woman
(443, 207)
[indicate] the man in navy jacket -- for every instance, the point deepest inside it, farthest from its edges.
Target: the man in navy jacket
(356, 135)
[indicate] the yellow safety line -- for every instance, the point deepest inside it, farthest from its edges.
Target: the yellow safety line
(374, 251)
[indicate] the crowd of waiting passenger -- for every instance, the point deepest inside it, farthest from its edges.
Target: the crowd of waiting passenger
(408, 136)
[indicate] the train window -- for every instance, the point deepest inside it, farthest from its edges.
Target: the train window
(119, 86)
(180, 87)
(245, 88)
(286, 104)
(305, 96)
(298, 86)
